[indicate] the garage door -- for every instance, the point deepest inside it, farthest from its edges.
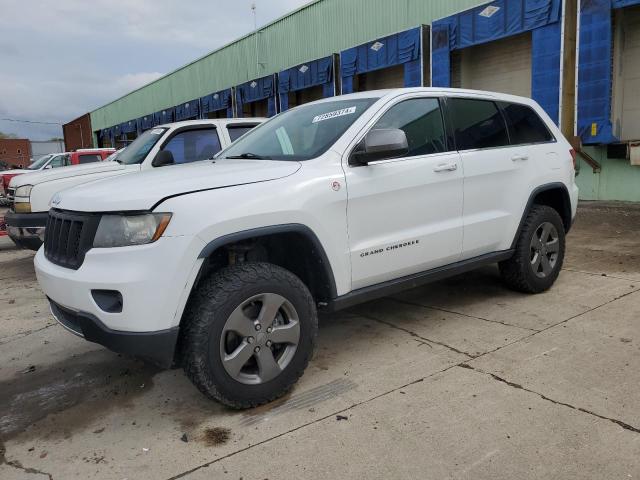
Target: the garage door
(392, 77)
(629, 70)
(500, 66)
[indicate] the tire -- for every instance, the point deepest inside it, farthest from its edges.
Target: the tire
(527, 271)
(215, 327)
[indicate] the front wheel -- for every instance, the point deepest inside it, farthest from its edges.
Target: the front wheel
(539, 252)
(248, 334)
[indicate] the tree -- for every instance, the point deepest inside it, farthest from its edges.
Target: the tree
(7, 135)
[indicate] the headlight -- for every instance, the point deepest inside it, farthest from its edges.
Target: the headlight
(24, 191)
(126, 230)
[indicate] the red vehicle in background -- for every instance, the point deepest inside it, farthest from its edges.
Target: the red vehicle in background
(55, 160)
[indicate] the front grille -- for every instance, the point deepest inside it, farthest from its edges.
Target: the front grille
(69, 236)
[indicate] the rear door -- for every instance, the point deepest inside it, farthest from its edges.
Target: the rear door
(493, 178)
(405, 214)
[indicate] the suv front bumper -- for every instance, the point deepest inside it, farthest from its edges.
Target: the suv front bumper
(153, 282)
(26, 229)
(156, 347)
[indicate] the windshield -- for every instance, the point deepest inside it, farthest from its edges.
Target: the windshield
(39, 163)
(113, 156)
(301, 133)
(137, 150)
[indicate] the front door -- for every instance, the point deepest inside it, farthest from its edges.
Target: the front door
(405, 214)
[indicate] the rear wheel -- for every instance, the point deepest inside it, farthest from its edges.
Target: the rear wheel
(539, 254)
(248, 334)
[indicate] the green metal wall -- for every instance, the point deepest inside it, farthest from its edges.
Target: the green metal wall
(617, 180)
(316, 30)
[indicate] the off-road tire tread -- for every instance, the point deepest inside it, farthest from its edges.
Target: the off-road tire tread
(212, 292)
(514, 271)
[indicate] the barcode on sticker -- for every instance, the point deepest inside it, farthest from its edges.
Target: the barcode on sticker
(334, 114)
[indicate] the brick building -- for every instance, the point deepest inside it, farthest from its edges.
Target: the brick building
(15, 152)
(78, 134)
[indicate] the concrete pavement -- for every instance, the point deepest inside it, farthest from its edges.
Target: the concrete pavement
(458, 379)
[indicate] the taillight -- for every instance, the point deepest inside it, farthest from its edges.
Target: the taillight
(572, 152)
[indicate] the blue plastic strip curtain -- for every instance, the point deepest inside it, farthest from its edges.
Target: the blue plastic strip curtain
(624, 3)
(545, 68)
(117, 131)
(145, 123)
(440, 56)
(217, 101)
(502, 19)
(256, 90)
(306, 75)
(129, 127)
(594, 70)
(163, 116)
(187, 110)
(400, 48)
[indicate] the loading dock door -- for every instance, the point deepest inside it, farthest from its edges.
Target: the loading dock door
(626, 91)
(391, 77)
(500, 66)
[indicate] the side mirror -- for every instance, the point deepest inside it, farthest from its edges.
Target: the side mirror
(47, 167)
(163, 158)
(379, 144)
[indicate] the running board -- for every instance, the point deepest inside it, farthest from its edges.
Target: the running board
(397, 285)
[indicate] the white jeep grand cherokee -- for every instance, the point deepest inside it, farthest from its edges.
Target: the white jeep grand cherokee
(220, 266)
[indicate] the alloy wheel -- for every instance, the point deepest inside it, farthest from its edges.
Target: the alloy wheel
(544, 249)
(259, 339)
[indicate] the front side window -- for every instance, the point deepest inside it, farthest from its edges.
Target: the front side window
(89, 158)
(301, 133)
(59, 161)
(421, 121)
(193, 145)
(525, 126)
(137, 150)
(477, 124)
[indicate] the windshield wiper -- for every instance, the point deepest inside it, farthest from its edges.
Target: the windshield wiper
(249, 155)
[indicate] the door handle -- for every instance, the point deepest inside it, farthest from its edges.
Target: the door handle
(520, 158)
(446, 167)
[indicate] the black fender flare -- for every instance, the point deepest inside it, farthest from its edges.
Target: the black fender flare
(538, 190)
(299, 228)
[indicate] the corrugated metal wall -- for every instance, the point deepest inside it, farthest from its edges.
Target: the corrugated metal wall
(316, 30)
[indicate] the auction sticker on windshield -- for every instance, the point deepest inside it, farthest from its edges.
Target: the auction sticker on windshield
(337, 113)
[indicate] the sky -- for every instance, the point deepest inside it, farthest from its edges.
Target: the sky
(60, 59)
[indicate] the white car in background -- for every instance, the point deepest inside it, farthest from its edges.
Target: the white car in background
(164, 145)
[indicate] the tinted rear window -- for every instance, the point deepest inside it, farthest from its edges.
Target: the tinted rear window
(525, 126)
(94, 157)
(477, 124)
(236, 132)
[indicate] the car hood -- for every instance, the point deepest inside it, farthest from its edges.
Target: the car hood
(143, 190)
(16, 171)
(40, 176)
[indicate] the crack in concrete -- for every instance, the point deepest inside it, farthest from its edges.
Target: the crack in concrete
(602, 274)
(517, 386)
(440, 309)
(17, 465)
(415, 335)
(300, 427)
(18, 336)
